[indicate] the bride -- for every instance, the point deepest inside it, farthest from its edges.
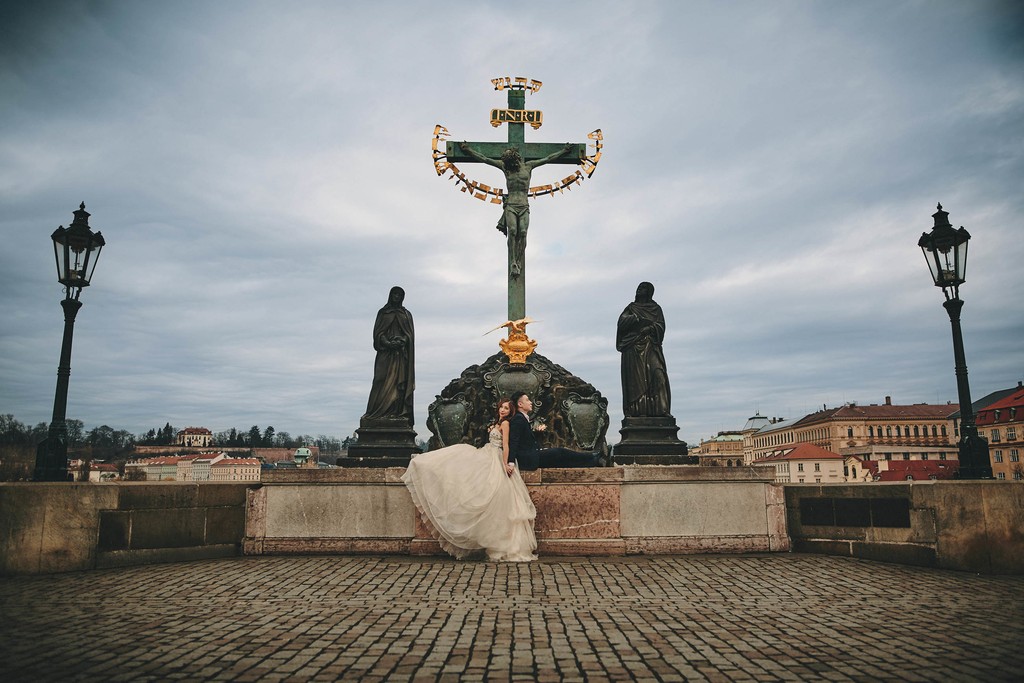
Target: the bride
(474, 499)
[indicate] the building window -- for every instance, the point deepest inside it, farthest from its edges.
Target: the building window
(871, 432)
(800, 468)
(888, 456)
(888, 431)
(935, 430)
(995, 435)
(1018, 475)
(942, 456)
(817, 467)
(1011, 433)
(997, 456)
(1014, 457)
(924, 456)
(1000, 475)
(916, 432)
(897, 430)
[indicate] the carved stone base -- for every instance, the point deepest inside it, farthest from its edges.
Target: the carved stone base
(574, 412)
(383, 442)
(651, 441)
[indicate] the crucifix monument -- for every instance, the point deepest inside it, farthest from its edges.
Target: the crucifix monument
(573, 411)
(516, 158)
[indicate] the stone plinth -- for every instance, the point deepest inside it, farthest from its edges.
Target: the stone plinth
(383, 442)
(651, 441)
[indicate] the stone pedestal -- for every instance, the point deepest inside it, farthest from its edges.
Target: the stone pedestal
(383, 442)
(651, 441)
(574, 412)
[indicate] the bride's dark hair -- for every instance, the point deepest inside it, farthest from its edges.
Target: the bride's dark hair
(511, 412)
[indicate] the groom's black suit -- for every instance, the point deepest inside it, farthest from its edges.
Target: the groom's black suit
(522, 448)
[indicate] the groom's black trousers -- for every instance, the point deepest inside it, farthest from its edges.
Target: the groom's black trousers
(556, 457)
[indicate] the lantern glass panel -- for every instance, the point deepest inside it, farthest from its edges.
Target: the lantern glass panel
(961, 260)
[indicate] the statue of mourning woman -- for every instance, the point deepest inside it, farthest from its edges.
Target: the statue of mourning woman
(385, 436)
(394, 378)
(648, 428)
(639, 337)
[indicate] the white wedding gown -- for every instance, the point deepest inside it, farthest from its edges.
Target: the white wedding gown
(470, 504)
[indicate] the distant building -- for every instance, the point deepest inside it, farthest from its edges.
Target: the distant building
(305, 457)
(732, 448)
(195, 437)
(97, 470)
(722, 450)
(1002, 423)
(103, 471)
(805, 463)
(873, 432)
(199, 467)
(275, 455)
(235, 469)
(161, 469)
(202, 466)
(901, 470)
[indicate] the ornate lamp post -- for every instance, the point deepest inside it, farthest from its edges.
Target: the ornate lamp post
(76, 250)
(945, 250)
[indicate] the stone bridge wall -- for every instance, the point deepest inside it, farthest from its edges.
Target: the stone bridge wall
(57, 527)
(975, 526)
(971, 526)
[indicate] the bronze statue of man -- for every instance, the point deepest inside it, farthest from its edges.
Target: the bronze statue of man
(639, 335)
(391, 394)
(515, 216)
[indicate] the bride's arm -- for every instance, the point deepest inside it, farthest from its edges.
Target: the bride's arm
(504, 446)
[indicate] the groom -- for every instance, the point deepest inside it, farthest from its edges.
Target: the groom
(523, 449)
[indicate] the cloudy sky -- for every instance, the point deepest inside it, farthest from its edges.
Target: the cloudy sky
(261, 172)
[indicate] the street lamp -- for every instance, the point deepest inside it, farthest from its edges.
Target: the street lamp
(945, 250)
(76, 250)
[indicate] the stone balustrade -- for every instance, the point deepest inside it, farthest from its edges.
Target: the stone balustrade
(971, 526)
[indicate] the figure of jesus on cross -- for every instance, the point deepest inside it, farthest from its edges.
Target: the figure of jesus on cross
(515, 215)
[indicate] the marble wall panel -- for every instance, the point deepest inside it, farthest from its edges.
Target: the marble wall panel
(576, 511)
(697, 509)
(339, 511)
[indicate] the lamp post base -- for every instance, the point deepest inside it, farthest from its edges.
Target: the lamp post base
(974, 458)
(52, 458)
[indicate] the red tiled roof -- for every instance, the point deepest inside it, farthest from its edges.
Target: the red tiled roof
(236, 461)
(804, 451)
(921, 411)
(196, 430)
(171, 460)
(899, 470)
(1014, 400)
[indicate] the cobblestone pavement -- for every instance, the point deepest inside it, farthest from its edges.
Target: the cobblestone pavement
(710, 617)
